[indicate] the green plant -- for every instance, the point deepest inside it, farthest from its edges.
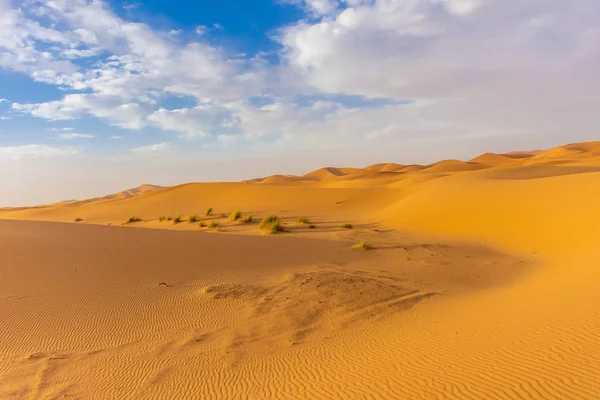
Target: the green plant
(131, 220)
(311, 226)
(234, 216)
(177, 219)
(271, 224)
(213, 225)
(163, 218)
(303, 220)
(362, 245)
(193, 218)
(202, 224)
(209, 211)
(246, 220)
(347, 226)
(77, 219)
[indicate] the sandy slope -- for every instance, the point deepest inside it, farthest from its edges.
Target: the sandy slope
(432, 312)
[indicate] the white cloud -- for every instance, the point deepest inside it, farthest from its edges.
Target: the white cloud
(201, 29)
(72, 136)
(115, 137)
(34, 151)
(3, 100)
(63, 129)
(153, 148)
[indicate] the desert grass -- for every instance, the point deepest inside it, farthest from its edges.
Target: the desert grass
(77, 220)
(271, 224)
(213, 225)
(178, 219)
(163, 218)
(131, 220)
(246, 220)
(202, 225)
(347, 226)
(303, 220)
(235, 216)
(209, 211)
(193, 218)
(362, 245)
(311, 226)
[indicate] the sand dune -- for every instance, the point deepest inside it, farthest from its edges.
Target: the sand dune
(482, 284)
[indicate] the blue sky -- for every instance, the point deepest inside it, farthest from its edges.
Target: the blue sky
(102, 95)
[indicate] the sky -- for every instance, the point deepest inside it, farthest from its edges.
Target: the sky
(98, 96)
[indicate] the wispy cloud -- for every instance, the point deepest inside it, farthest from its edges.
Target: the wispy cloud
(153, 148)
(34, 151)
(72, 136)
(63, 129)
(115, 137)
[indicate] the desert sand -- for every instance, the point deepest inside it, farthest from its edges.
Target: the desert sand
(481, 284)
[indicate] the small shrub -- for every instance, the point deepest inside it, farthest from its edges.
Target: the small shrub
(224, 215)
(202, 224)
(169, 218)
(177, 219)
(347, 226)
(311, 226)
(163, 218)
(362, 245)
(213, 225)
(193, 218)
(77, 220)
(131, 220)
(271, 224)
(303, 220)
(246, 220)
(209, 211)
(234, 216)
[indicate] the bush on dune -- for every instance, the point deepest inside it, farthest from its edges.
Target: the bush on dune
(177, 219)
(131, 220)
(362, 245)
(347, 226)
(193, 218)
(235, 216)
(271, 224)
(209, 212)
(303, 220)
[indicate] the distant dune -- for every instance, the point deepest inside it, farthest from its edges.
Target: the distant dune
(456, 280)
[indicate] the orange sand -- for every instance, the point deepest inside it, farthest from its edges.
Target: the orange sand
(482, 284)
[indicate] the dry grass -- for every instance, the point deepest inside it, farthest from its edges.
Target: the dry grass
(362, 245)
(193, 218)
(235, 216)
(303, 220)
(209, 211)
(164, 218)
(177, 219)
(213, 225)
(311, 226)
(271, 224)
(77, 220)
(246, 220)
(347, 226)
(131, 220)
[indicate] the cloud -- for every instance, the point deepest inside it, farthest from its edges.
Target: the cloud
(115, 137)
(72, 136)
(3, 100)
(34, 151)
(63, 129)
(201, 30)
(153, 148)
(2, 118)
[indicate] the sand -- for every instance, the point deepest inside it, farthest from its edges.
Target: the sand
(481, 284)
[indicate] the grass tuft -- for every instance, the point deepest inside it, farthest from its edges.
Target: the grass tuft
(311, 226)
(347, 226)
(362, 245)
(193, 218)
(202, 225)
(131, 220)
(163, 218)
(271, 224)
(177, 219)
(77, 219)
(209, 211)
(303, 220)
(213, 225)
(235, 216)
(246, 220)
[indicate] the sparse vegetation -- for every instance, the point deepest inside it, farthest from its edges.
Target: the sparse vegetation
(347, 226)
(311, 226)
(246, 220)
(202, 225)
(303, 220)
(224, 215)
(77, 220)
(234, 216)
(362, 245)
(271, 224)
(177, 219)
(163, 218)
(213, 225)
(209, 211)
(193, 218)
(131, 220)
